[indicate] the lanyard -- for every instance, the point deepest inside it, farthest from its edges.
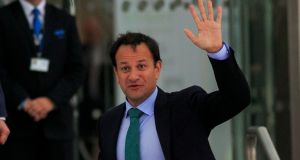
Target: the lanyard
(41, 45)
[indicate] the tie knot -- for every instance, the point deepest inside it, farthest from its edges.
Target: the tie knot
(135, 113)
(35, 12)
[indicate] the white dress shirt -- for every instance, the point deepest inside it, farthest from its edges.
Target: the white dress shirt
(28, 7)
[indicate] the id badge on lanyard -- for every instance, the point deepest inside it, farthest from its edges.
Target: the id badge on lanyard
(39, 64)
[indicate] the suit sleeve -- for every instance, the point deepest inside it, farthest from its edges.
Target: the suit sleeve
(231, 98)
(2, 104)
(73, 77)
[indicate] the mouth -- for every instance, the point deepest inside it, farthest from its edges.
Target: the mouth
(134, 86)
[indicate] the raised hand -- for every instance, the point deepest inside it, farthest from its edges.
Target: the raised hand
(209, 36)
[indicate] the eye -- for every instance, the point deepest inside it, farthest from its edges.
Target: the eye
(141, 66)
(125, 69)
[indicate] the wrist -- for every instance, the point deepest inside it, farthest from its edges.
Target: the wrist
(215, 48)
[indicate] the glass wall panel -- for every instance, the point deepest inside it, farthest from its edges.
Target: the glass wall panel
(259, 32)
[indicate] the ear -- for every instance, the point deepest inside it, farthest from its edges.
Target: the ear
(158, 67)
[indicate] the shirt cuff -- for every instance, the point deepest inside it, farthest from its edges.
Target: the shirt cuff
(21, 106)
(2, 118)
(222, 54)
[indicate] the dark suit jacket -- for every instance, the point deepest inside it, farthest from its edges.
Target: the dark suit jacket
(62, 48)
(184, 119)
(2, 104)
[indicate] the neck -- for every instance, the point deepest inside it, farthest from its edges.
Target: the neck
(34, 2)
(134, 103)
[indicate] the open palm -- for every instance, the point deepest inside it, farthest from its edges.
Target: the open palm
(209, 36)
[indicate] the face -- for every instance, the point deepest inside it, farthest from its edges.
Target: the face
(136, 72)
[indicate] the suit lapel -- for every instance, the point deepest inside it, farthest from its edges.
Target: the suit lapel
(48, 25)
(114, 128)
(162, 122)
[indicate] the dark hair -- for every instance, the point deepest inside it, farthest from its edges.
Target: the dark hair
(135, 39)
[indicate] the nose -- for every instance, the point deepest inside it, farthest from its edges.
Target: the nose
(133, 76)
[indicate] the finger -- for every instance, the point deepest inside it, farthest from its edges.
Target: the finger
(189, 34)
(37, 109)
(34, 113)
(210, 10)
(33, 110)
(194, 15)
(202, 10)
(37, 118)
(43, 116)
(219, 15)
(36, 103)
(40, 115)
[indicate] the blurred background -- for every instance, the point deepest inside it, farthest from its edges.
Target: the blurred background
(264, 34)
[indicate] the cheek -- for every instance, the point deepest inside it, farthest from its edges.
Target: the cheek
(121, 79)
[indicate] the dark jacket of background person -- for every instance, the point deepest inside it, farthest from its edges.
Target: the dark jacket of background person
(2, 103)
(4, 130)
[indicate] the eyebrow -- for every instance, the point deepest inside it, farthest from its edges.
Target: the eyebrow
(142, 60)
(123, 62)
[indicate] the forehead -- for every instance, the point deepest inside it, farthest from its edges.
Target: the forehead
(129, 52)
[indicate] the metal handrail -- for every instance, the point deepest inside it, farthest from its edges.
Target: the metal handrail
(260, 133)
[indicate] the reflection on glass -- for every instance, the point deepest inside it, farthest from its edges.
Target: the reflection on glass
(125, 6)
(159, 5)
(142, 5)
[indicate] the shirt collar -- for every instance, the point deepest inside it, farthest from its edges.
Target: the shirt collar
(147, 107)
(28, 7)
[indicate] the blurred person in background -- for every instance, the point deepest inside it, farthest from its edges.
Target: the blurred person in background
(91, 104)
(41, 56)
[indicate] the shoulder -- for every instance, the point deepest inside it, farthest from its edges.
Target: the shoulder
(187, 96)
(113, 112)
(111, 118)
(11, 5)
(7, 9)
(8, 13)
(57, 12)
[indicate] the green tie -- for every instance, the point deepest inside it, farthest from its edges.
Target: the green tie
(132, 144)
